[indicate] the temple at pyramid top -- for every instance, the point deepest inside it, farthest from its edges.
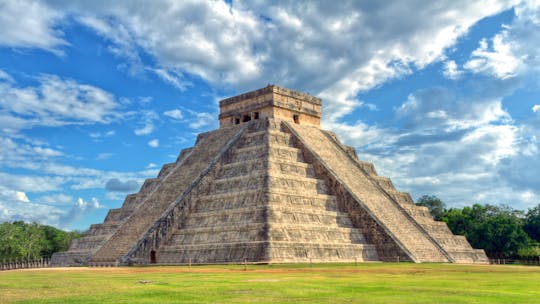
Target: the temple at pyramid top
(271, 101)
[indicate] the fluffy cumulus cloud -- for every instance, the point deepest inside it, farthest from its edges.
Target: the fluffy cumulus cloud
(15, 206)
(30, 24)
(77, 210)
(54, 102)
(58, 210)
(331, 50)
(497, 60)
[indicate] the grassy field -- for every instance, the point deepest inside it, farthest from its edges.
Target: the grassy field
(320, 283)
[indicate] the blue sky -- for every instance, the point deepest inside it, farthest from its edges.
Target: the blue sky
(96, 96)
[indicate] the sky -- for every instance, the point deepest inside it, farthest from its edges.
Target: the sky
(95, 96)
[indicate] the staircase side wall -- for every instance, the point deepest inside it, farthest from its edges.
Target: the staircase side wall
(175, 216)
(398, 225)
(165, 196)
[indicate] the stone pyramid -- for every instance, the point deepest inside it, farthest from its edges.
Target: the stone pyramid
(268, 186)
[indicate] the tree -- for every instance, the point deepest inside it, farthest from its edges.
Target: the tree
(496, 229)
(434, 204)
(19, 240)
(532, 223)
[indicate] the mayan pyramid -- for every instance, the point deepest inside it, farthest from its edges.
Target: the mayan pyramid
(269, 186)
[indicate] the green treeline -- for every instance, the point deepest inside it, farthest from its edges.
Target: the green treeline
(501, 231)
(20, 240)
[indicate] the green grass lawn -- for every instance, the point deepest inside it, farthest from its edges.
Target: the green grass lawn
(326, 283)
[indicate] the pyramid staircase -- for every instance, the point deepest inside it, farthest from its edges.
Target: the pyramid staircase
(265, 205)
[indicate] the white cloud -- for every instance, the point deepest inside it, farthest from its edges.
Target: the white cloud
(148, 127)
(55, 102)
(6, 77)
(59, 199)
(451, 71)
(173, 78)
(334, 51)
(30, 24)
(31, 183)
(14, 209)
(122, 39)
(200, 120)
(99, 135)
(499, 62)
(92, 204)
(78, 210)
(175, 114)
(21, 196)
(536, 108)
(154, 143)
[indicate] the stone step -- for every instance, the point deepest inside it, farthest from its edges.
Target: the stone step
(224, 217)
(274, 214)
(453, 242)
(251, 139)
(132, 201)
(272, 137)
(293, 183)
(258, 197)
(308, 217)
(302, 200)
(88, 242)
(262, 251)
(239, 183)
(148, 186)
(250, 231)
(280, 138)
(183, 154)
(257, 166)
(114, 215)
(274, 181)
(104, 228)
(244, 231)
(231, 200)
(314, 233)
(263, 151)
(434, 227)
(367, 167)
(287, 252)
(284, 167)
(166, 169)
(221, 252)
(402, 198)
(247, 167)
(385, 183)
(417, 211)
